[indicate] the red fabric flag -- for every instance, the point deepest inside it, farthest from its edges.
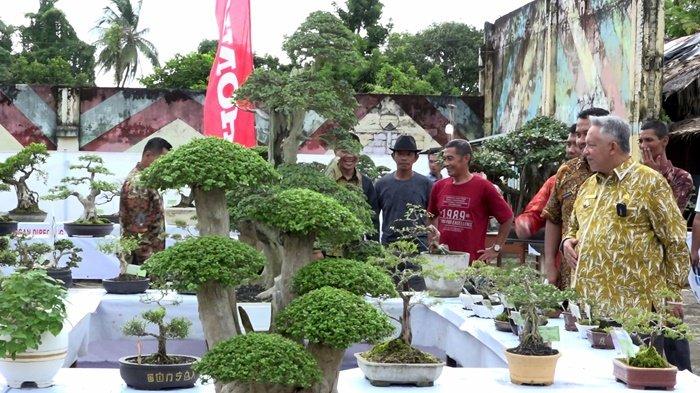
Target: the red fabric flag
(232, 65)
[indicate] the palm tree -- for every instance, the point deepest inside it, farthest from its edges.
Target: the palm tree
(120, 41)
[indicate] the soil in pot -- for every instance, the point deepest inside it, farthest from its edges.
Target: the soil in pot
(148, 375)
(88, 230)
(397, 351)
(126, 284)
(600, 339)
(63, 275)
(7, 227)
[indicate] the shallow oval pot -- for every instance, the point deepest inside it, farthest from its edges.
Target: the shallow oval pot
(158, 376)
(641, 378)
(468, 300)
(453, 262)
(385, 374)
(28, 217)
(7, 228)
(502, 326)
(37, 365)
(483, 311)
(531, 370)
(88, 230)
(125, 287)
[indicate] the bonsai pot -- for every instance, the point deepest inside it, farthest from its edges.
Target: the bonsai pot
(158, 376)
(553, 313)
(125, 286)
(600, 339)
(37, 365)
(583, 330)
(186, 214)
(64, 275)
(569, 321)
(453, 262)
(641, 378)
(502, 326)
(88, 230)
(7, 228)
(385, 374)
(531, 370)
(483, 311)
(38, 216)
(468, 300)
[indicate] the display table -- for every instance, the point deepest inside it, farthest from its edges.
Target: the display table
(80, 305)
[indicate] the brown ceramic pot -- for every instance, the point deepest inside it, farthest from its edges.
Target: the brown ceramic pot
(642, 378)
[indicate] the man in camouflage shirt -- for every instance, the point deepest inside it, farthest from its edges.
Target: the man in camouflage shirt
(141, 212)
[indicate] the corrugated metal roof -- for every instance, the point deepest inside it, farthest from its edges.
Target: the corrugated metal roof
(681, 63)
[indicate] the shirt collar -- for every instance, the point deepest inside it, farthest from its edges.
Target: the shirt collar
(620, 171)
(338, 174)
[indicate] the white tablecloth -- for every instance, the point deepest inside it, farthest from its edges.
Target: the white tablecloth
(80, 304)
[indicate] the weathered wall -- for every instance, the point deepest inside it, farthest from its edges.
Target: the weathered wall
(557, 57)
(122, 120)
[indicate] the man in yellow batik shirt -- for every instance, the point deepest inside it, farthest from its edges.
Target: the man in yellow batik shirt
(626, 236)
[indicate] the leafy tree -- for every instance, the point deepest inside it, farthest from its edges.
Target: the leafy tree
(54, 71)
(121, 41)
(400, 80)
(270, 62)
(190, 71)
(5, 50)
(682, 17)
(362, 16)
(207, 46)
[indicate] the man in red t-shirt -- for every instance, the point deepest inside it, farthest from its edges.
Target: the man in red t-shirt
(462, 204)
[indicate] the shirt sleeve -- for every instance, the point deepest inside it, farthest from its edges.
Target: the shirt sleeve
(532, 215)
(669, 228)
(498, 207)
(552, 209)
(681, 184)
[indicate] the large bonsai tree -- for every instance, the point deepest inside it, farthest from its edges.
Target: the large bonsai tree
(94, 167)
(212, 266)
(17, 170)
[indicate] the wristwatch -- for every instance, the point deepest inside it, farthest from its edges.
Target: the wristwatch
(497, 247)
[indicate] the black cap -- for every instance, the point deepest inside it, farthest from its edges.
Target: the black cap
(405, 143)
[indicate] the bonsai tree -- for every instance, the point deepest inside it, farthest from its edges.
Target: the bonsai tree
(31, 304)
(100, 191)
(260, 363)
(28, 255)
(177, 328)
(121, 248)
(329, 320)
(18, 169)
(212, 266)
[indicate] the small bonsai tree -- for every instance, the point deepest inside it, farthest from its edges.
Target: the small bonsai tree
(329, 320)
(100, 191)
(531, 342)
(121, 248)
(28, 255)
(212, 266)
(356, 277)
(260, 363)
(31, 304)
(17, 170)
(177, 328)
(648, 326)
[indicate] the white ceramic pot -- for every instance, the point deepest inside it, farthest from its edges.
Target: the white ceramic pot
(453, 262)
(583, 330)
(468, 300)
(385, 374)
(37, 365)
(483, 311)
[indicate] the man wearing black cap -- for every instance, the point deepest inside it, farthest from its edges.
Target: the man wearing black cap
(396, 190)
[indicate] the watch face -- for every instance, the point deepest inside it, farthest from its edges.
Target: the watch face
(497, 248)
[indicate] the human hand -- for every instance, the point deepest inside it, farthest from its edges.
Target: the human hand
(570, 254)
(487, 255)
(658, 163)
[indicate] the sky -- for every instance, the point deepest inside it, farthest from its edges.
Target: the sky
(177, 26)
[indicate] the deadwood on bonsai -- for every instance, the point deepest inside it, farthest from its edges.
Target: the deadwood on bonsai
(329, 320)
(17, 170)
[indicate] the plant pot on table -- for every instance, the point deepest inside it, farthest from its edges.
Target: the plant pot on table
(88, 230)
(583, 329)
(385, 374)
(641, 378)
(37, 365)
(63, 275)
(569, 321)
(532, 369)
(159, 376)
(453, 261)
(600, 339)
(502, 326)
(27, 215)
(8, 227)
(126, 284)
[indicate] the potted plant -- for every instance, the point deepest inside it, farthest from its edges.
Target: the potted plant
(159, 370)
(532, 361)
(33, 341)
(242, 362)
(15, 172)
(56, 259)
(589, 319)
(125, 282)
(184, 211)
(502, 322)
(99, 192)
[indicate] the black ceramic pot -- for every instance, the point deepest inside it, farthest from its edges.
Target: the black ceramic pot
(7, 228)
(63, 275)
(125, 287)
(88, 230)
(158, 376)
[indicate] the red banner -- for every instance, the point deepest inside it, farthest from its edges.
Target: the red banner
(232, 65)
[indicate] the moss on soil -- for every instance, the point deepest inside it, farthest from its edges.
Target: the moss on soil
(397, 351)
(647, 357)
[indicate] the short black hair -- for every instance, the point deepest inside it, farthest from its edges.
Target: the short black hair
(572, 129)
(462, 146)
(586, 113)
(659, 127)
(157, 145)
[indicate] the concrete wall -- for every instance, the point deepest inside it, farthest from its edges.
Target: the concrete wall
(557, 57)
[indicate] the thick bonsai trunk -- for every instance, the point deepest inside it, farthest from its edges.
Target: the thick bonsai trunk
(89, 210)
(217, 306)
(285, 135)
(329, 360)
(297, 252)
(27, 200)
(162, 352)
(212, 214)
(406, 334)
(267, 241)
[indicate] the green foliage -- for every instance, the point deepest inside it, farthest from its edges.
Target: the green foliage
(366, 166)
(53, 71)
(189, 71)
(362, 16)
(260, 358)
(356, 277)
(208, 163)
(197, 260)
(121, 248)
(28, 255)
(653, 324)
(682, 17)
(397, 351)
(648, 358)
(332, 317)
(363, 250)
(177, 328)
(207, 46)
(31, 303)
(121, 41)
(544, 296)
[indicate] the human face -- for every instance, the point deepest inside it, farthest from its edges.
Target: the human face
(149, 156)
(572, 149)
(599, 151)
(404, 159)
(649, 141)
(455, 164)
(434, 164)
(347, 160)
(582, 126)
